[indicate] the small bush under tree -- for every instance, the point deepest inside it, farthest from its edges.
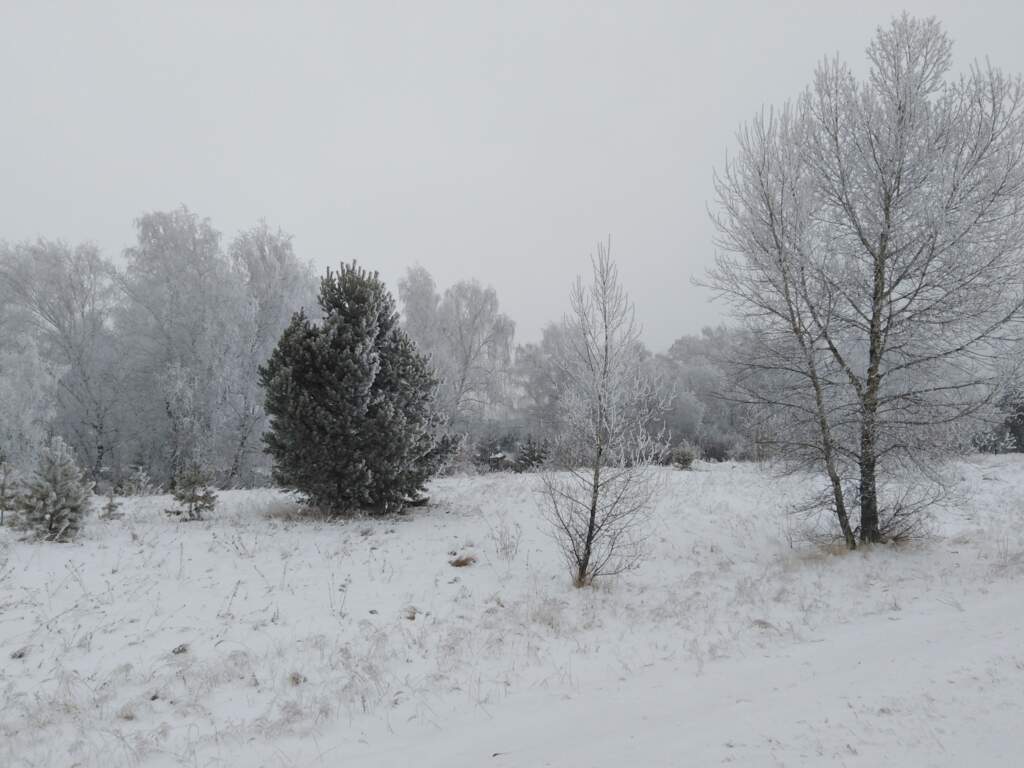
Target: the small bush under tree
(56, 498)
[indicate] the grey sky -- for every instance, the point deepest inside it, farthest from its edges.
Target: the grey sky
(491, 140)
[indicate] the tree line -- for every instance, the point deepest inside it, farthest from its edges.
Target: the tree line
(149, 363)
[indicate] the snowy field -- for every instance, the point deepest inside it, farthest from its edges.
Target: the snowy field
(265, 638)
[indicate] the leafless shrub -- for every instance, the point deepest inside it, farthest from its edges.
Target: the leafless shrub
(682, 456)
(905, 515)
(505, 538)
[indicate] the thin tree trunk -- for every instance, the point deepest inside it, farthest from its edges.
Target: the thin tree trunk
(827, 443)
(584, 564)
(869, 531)
(828, 454)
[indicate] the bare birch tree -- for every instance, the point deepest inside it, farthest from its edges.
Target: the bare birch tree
(910, 272)
(763, 268)
(600, 501)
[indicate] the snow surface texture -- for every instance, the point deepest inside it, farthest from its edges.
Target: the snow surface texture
(264, 638)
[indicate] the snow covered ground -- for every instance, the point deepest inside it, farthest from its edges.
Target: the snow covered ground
(264, 638)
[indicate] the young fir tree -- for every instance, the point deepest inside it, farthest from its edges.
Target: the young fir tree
(193, 493)
(531, 455)
(55, 500)
(352, 422)
(110, 509)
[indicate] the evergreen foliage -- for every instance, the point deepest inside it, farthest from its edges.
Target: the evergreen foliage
(193, 493)
(531, 455)
(352, 419)
(110, 509)
(55, 500)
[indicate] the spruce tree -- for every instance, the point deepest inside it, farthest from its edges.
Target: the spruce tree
(193, 493)
(531, 455)
(350, 401)
(56, 499)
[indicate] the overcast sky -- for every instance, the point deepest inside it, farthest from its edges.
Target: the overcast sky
(496, 141)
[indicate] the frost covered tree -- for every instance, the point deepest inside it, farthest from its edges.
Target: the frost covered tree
(478, 352)
(56, 498)
(420, 301)
(26, 381)
(350, 401)
(541, 378)
(66, 296)
(196, 323)
(469, 343)
(787, 368)
(27, 396)
(600, 501)
(151, 364)
(882, 221)
(176, 322)
(275, 285)
(699, 413)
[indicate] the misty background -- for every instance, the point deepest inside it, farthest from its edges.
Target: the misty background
(482, 140)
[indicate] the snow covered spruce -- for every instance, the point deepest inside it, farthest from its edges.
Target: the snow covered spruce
(352, 422)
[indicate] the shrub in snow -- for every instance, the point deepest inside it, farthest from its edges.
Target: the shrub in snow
(683, 456)
(505, 537)
(55, 500)
(193, 493)
(996, 440)
(531, 455)
(139, 483)
(495, 454)
(352, 422)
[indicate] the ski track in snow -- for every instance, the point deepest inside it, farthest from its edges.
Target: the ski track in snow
(306, 643)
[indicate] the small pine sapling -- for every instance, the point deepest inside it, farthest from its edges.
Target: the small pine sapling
(110, 509)
(532, 455)
(193, 493)
(56, 499)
